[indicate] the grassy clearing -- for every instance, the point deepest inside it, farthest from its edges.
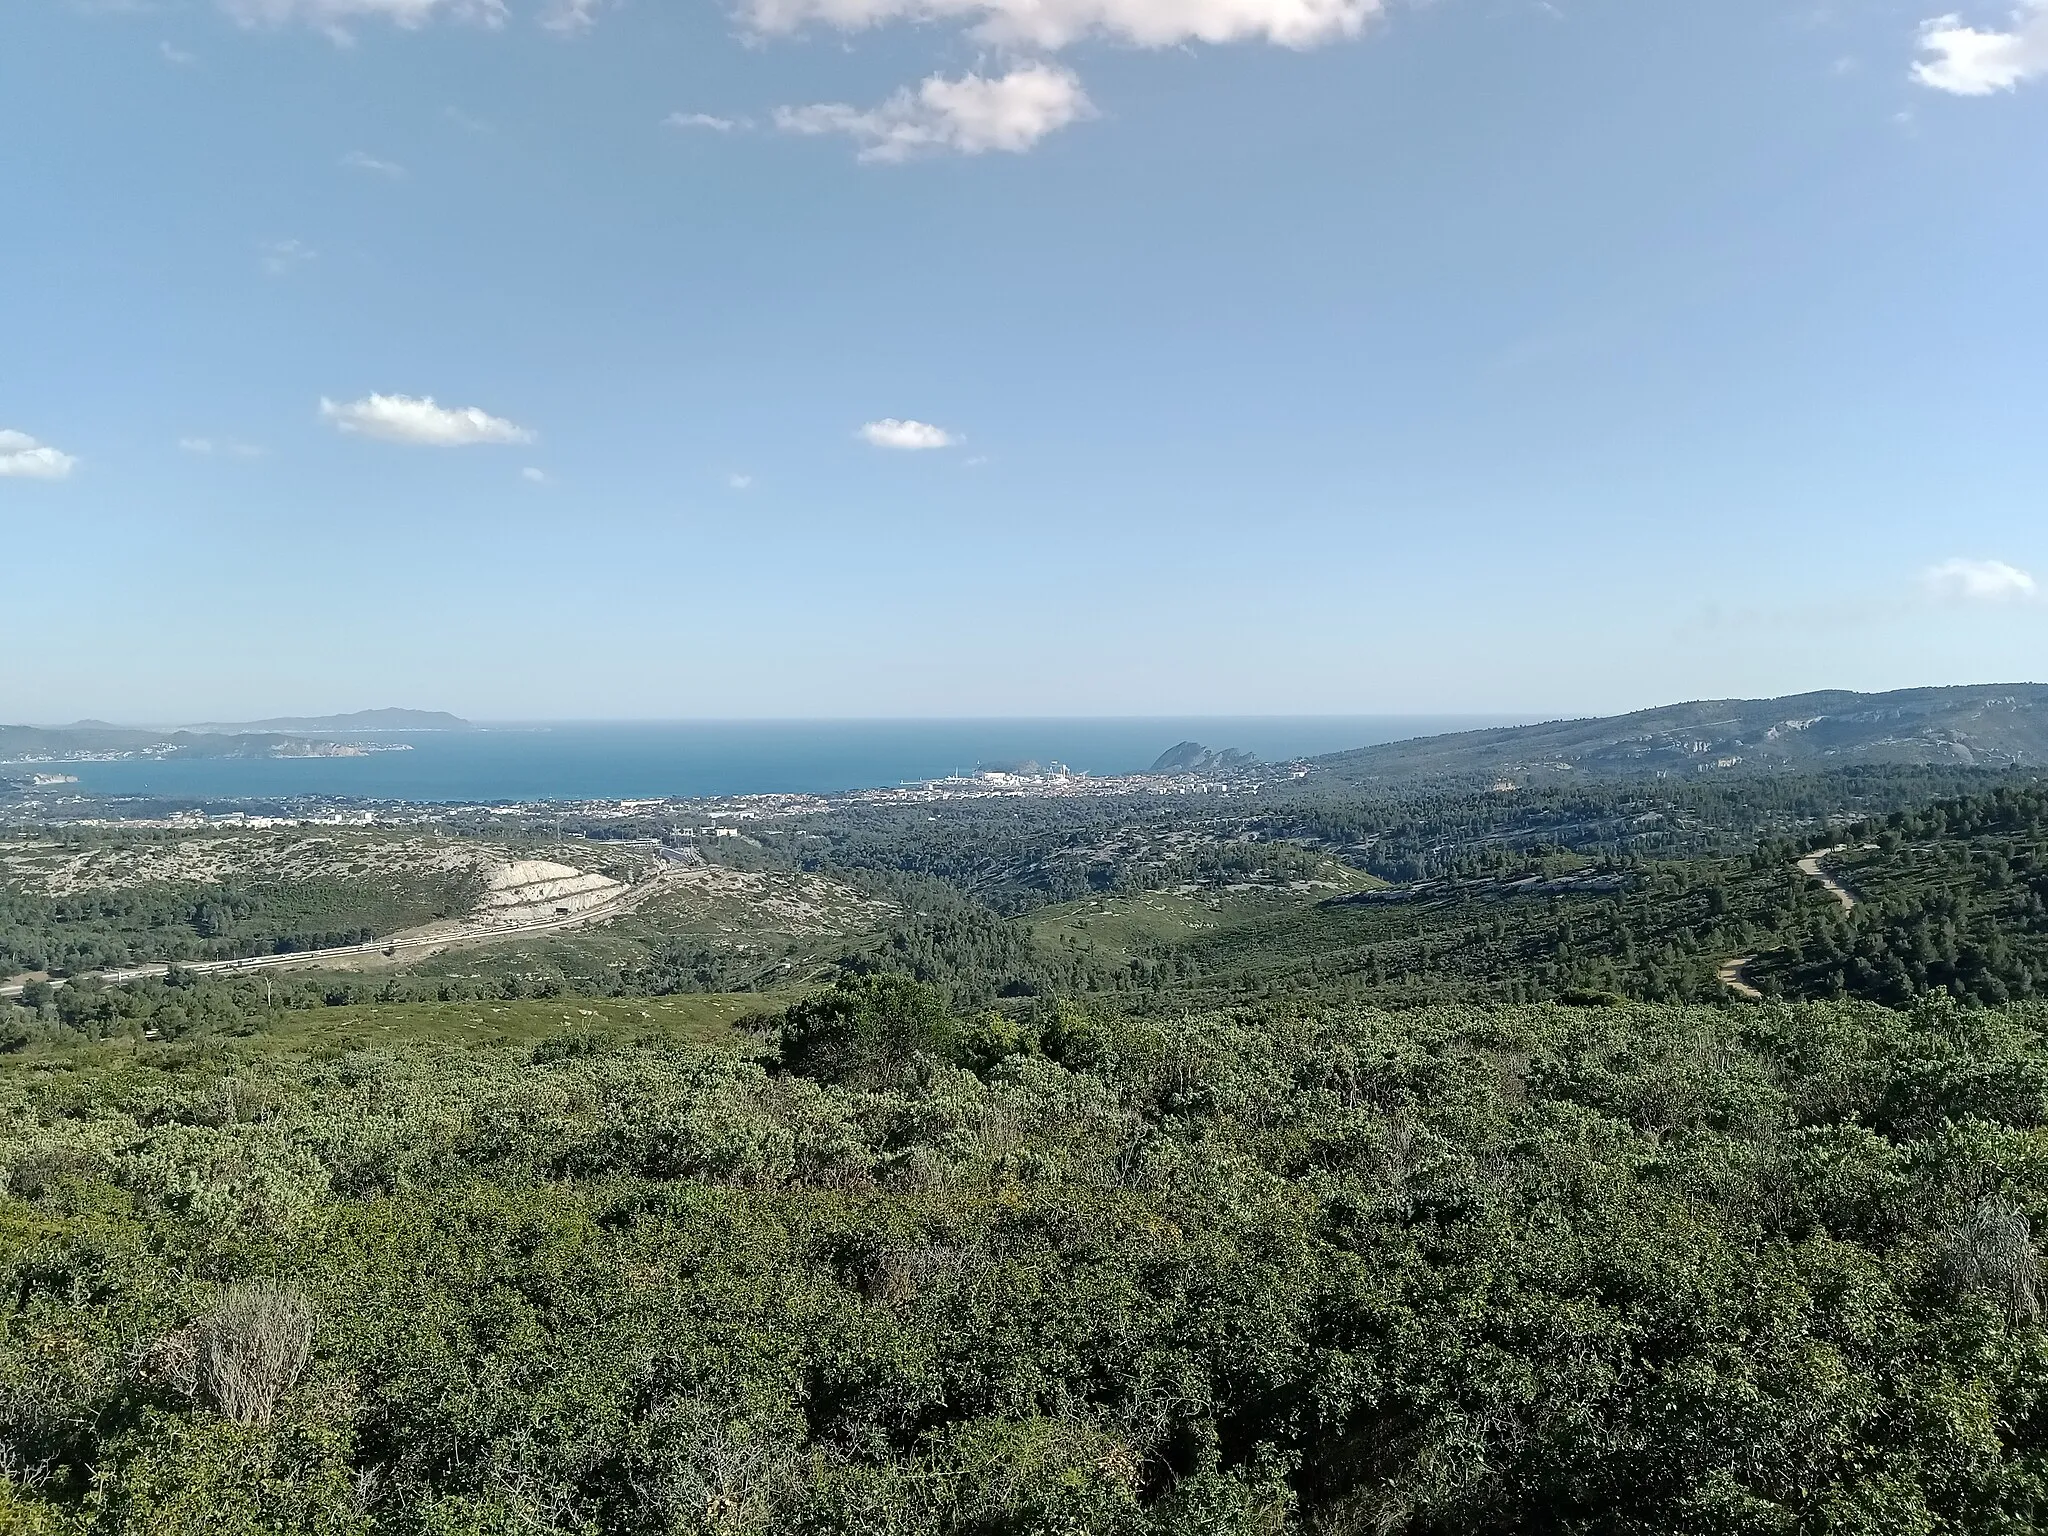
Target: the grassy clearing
(1122, 928)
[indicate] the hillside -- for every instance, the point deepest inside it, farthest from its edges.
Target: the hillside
(360, 720)
(83, 742)
(1986, 726)
(87, 743)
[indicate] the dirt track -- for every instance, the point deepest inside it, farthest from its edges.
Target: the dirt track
(1733, 972)
(1731, 975)
(1811, 865)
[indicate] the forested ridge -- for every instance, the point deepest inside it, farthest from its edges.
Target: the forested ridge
(1953, 898)
(95, 929)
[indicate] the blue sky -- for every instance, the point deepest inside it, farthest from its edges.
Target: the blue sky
(981, 357)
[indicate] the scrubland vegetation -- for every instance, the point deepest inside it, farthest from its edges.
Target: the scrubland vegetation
(874, 1266)
(1399, 1166)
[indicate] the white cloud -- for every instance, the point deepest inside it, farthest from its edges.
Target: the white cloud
(704, 120)
(534, 476)
(739, 482)
(1967, 62)
(407, 419)
(1979, 581)
(206, 446)
(356, 160)
(281, 256)
(1058, 23)
(176, 55)
(334, 16)
(570, 15)
(23, 458)
(913, 436)
(969, 116)
(1048, 24)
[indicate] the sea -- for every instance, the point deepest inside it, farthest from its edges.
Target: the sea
(712, 758)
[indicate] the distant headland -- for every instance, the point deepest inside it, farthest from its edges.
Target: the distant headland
(361, 720)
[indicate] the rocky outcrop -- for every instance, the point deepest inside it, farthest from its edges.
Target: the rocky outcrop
(530, 889)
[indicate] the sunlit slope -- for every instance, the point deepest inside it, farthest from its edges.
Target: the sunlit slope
(1992, 726)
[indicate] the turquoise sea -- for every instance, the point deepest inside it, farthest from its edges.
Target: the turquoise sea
(598, 761)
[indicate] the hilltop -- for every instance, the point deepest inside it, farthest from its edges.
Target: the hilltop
(1193, 757)
(1985, 726)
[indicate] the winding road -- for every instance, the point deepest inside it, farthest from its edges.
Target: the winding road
(1733, 973)
(1811, 865)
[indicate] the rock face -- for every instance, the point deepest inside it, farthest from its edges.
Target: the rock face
(1193, 757)
(530, 889)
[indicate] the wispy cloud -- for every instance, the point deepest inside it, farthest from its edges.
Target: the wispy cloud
(417, 419)
(571, 15)
(705, 120)
(282, 256)
(356, 160)
(534, 476)
(1978, 581)
(172, 54)
(228, 447)
(968, 116)
(911, 436)
(23, 458)
(1966, 61)
(1053, 24)
(739, 482)
(334, 17)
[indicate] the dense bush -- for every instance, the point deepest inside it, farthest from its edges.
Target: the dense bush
(898, 1271)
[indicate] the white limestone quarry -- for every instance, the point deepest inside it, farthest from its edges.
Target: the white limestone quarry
(528, 890)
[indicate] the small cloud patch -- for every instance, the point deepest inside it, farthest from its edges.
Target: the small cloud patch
(282, 256)
(1979, 581)
(418, 420)
(1052, 24)
(356, 160)
(706, 121)
(334, 17)
(969, 116)
(907, 436)
(23, 458)
(1968, 61)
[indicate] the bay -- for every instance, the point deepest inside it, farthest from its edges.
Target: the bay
(651, 760)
